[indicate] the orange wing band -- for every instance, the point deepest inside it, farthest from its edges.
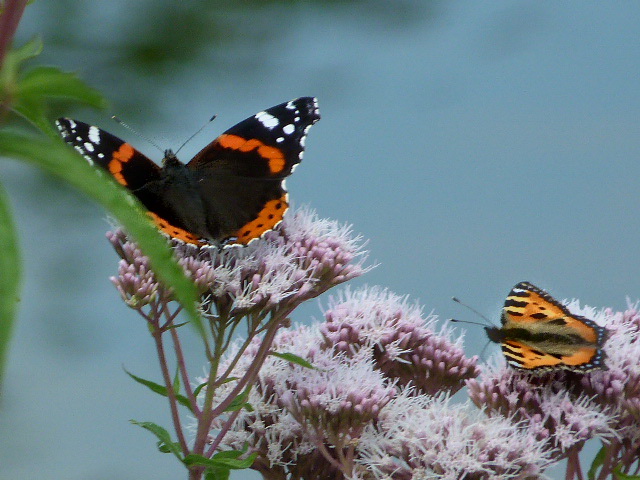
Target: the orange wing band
(273, 155)
(175, 232)
(270, 216)
(122, 155)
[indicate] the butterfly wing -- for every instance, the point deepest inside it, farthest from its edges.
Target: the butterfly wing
(522, 355)
(240, 175)
(130, 168)
(127, 165)
(539, 333)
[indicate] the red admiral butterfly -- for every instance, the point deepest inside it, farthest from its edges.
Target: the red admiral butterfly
(232, 192)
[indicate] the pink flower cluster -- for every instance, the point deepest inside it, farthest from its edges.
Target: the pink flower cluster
(366, 409)
(406, 345)
(564, 410)
(304, 257)
(375, 405)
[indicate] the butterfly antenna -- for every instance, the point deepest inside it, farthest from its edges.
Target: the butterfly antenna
(457, 300)
(131, 129)
(199, 130)
(455, 320)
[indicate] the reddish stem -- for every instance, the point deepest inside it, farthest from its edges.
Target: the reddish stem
(183, 372)
(222, 433)
(9, 20)
(171, 394)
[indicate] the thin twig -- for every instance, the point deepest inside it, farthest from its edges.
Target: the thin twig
(223, 431)
(253, 370)
(171, 394)
(222, 378)
(9, 20)
(182, 366)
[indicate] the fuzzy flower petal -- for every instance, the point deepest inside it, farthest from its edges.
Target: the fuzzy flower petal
(303, 258)
(405, 343)
(425, 437)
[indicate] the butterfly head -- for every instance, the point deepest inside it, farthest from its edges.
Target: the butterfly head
(170, 159)
(494, 334)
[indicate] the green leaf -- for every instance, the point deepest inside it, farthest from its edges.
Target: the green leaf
(166, 448)
(29, 50)
(196, 392)
(161, 389)
(34, 111)
(218, 460)
(240, 402)
(41, 83)
(165, 444)
(176, 380)
(59, 160)
(230, 379)
(12, 64)
(598, 460)
(177, 325)
(293, 358)
(619, 475)
(53, 82)
(212, 473)
(10, 278)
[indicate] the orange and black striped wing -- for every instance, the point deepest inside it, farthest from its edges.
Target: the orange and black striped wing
(539, 333)
(241, 174)
(129, 168)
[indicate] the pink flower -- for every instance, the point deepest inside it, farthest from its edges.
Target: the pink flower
(304, 257)
(327, 422)
(425, 437)
(405, 344)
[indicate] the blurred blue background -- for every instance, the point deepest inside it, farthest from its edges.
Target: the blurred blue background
(474, 144)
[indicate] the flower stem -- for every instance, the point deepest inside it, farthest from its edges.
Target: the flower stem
(252, 372)
(182, 366)
(171, 394)
(9, 20)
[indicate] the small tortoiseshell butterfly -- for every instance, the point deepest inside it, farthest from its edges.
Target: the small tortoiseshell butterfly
(539, 334)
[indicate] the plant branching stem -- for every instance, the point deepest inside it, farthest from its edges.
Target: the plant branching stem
(182, 366)
(171, 394)
(9, 20)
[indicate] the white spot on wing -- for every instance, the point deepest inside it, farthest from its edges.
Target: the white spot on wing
(280, 139)
(288, 129)
(94, 135)
(89, 146)
(269, 121)
(72, 124)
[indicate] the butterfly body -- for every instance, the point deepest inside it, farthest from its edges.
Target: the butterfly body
(538, 333)
(231, 192)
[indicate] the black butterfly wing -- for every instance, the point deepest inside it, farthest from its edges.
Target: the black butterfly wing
(131, 169)
(240, 175)
(127, 165)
